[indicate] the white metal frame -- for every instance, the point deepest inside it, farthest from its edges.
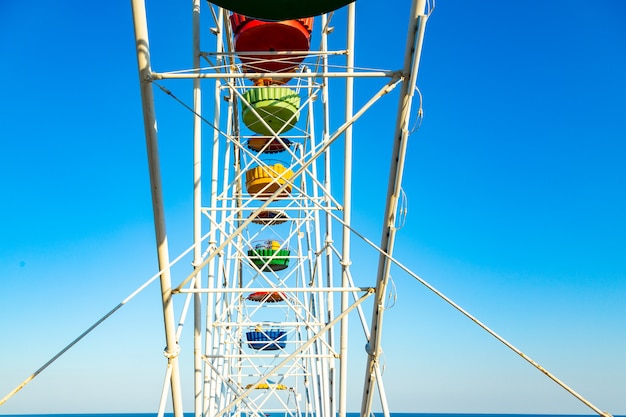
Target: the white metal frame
(318, 283)
(221, 365)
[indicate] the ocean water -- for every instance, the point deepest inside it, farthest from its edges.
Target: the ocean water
(282, 415)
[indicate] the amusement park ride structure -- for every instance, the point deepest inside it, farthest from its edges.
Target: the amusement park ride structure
(271, 284)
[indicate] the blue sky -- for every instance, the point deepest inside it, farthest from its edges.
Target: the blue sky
(516, 188)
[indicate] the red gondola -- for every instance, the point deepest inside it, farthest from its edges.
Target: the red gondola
(253, 35)
(270, 217)
(268, 297)
(268, 145)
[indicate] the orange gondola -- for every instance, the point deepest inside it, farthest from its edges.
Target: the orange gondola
(263, 181)
(268, 297)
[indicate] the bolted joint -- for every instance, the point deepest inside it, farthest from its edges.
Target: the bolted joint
(171, 354)
(370, 350)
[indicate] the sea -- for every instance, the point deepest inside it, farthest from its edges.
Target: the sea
(282, 415)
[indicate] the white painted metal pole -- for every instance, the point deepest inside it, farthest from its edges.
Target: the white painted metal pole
(149, 117)
(347, 215)
(415, 35)
(198, 363)
(211, 404)
(320, 387)
(330, 402)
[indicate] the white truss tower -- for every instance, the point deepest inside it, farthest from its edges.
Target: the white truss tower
(271, 283)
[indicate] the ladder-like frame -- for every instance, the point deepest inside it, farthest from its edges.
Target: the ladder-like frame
(307, 374)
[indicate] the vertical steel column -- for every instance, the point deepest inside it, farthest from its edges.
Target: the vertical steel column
(149, 120)
(318, 368)
(330, 402)
(347, 214)
(415, 37)
(211, 396)
(197, 214)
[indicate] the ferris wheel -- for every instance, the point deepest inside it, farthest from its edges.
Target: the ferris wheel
(271, 283)
(271, 291)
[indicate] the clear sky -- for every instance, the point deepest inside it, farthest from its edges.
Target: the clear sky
(516, 185)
